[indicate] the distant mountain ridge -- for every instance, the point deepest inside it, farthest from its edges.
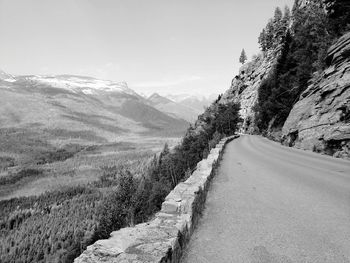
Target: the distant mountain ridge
(105, 109)
(156, 98)
(173, 108)
(84, 84)
(197, 102)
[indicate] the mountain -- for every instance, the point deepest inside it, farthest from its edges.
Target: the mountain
(80, 108)
(196, 102)
(6, 77)
(172, 108)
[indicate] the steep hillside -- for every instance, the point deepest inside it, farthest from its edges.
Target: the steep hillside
(172, 108)
(320, 120)
(244, 87)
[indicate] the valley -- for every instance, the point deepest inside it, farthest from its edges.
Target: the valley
(65, 144)
(77, 153)
(60, 130)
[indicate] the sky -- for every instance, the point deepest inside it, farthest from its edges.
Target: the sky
(164, 46)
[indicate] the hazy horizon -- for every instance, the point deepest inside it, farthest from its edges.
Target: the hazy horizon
(154, 46)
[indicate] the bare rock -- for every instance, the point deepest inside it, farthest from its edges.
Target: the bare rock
(244, 87)
(320, 120)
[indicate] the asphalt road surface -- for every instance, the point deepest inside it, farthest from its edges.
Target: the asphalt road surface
(273, 204)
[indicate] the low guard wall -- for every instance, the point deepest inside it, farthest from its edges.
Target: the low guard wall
(164, 238)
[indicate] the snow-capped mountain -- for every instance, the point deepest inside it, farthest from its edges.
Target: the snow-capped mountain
(102, 109)
(83, 84)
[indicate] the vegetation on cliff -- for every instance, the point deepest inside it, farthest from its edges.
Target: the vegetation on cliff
(242, 57)
(303, 46)
(138, 198)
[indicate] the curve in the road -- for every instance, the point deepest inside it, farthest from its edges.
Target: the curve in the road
(273, 204)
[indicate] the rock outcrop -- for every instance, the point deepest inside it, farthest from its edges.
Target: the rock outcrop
(320, 120)
(244, 86)
(164, 238)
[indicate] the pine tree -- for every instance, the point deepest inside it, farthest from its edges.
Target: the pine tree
(278, 15)
(285, 20)
(286, 15)
(262, 40)
(278, 27)
(270, 34)
(243, 57)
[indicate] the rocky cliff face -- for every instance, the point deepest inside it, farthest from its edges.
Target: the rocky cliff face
(244, 86)
(320, 120)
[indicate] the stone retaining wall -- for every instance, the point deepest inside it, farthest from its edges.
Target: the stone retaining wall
(164, 238)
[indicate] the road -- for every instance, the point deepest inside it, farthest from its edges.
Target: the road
(274, 204)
